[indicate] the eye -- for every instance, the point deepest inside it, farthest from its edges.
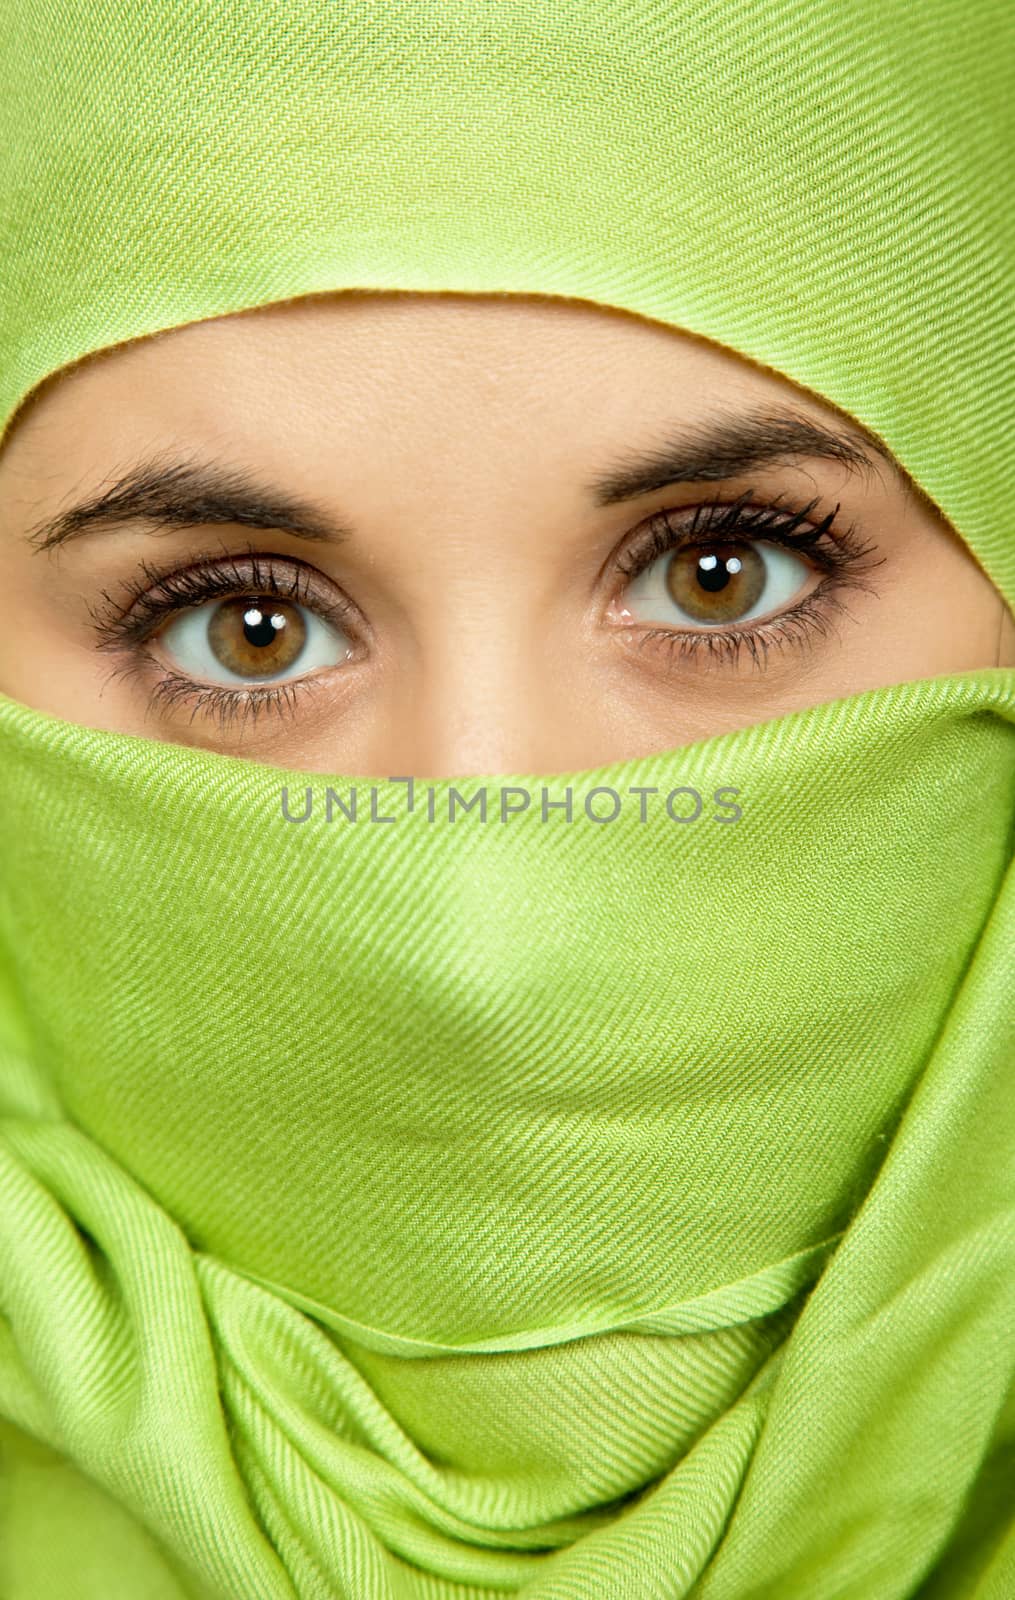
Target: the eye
(251, 639)
(718, 583)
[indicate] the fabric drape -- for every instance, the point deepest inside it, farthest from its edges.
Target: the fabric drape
(611, 1194)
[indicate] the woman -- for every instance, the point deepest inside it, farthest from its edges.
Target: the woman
(491, 584)
(509, 764)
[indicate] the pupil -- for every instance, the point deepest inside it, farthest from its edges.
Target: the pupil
(712, 573)
(259, 629)
(719, 583)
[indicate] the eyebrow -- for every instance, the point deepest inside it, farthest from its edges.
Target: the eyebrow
(165, 492)
(725, 446)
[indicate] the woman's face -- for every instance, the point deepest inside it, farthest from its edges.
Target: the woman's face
(444, 535)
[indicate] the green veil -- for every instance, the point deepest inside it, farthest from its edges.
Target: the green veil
(606, 1193)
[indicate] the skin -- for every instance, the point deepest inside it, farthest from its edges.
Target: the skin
(454, 436)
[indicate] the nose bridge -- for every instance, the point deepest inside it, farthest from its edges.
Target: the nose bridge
(486, 667)
(481, 697)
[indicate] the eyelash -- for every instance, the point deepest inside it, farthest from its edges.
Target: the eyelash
(124, 628)
(838, 553)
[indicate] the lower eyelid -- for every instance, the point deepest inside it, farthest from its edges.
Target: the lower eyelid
(223, 702)
(809, 617)
(808, 620)
(283, 698)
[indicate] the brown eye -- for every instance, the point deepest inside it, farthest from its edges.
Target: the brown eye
(716, 582)
(250, 639)
(257, 638)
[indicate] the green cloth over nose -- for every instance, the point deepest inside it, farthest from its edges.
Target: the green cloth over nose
(578, 1210)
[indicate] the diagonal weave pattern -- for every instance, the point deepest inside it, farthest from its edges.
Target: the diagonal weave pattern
(826, 189)
(615, 1211)
(563, 1209)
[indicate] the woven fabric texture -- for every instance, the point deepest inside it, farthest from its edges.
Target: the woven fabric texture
(826, 189)
(604, 1203)
(457, 1206)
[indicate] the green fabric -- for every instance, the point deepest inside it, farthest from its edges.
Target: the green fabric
(824, 187)
(429, 1207)
(577, 1209)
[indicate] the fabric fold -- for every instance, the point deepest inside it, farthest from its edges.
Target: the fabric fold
(541, 1435)
(402, 1204)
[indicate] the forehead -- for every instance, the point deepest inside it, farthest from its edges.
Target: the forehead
(534, 366)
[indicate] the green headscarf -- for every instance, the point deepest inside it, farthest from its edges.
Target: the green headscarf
(611, 1193)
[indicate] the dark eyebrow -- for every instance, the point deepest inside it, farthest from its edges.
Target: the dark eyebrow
(728, 445)
(167, 492)
(163, 492)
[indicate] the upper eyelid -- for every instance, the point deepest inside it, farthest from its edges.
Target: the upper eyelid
(775, 630)
(345, 611)
(116, 630)
(831, 549)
